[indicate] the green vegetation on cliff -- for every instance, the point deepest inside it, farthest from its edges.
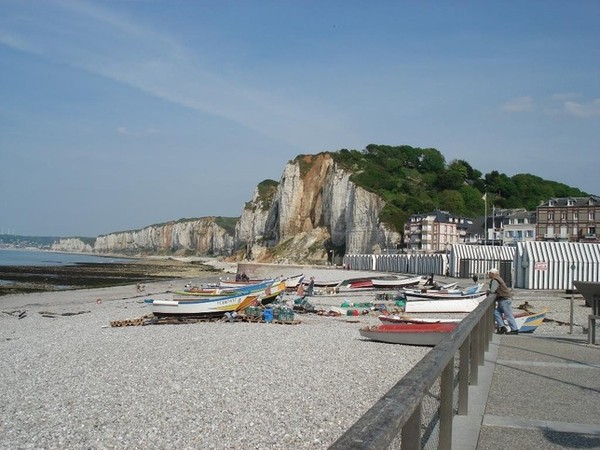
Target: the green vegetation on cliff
(413, 180)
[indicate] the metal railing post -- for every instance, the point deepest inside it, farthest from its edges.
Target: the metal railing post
(446, 406)
(463, 378)
(482, 336)
(411, 432)
(475, 355)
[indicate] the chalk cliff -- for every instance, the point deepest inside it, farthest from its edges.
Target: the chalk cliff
(316, 197)
(76, 245)
(313, 213)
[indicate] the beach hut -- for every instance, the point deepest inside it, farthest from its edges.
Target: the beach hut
(555, 265)
(469, 260)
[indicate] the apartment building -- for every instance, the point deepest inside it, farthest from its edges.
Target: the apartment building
(572, 219)
(518, 225)
(434, 232)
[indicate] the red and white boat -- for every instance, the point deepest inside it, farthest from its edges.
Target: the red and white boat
(426, 334)
(527, 321)
(354, 284)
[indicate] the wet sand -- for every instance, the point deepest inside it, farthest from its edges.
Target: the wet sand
(29, 279)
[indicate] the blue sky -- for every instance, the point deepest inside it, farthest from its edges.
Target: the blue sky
(118, 114)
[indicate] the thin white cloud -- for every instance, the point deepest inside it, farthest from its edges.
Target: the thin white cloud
(590, 109)
(95, 39)
(519, 104)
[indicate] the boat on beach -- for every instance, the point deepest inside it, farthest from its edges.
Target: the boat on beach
(456, 304)
(395, 282)
(418, 294)
(354, 284)
(193, 306)
(527, 321)
(409, 319)
(424, 334)
(293, 281)
(226, 283)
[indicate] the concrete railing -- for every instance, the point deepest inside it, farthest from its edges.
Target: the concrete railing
(418, 411)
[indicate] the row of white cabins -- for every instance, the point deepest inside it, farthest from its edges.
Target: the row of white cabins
(546, 249)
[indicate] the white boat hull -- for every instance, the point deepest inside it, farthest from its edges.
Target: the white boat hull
(200, 306)
(394, 283)
(447, 305)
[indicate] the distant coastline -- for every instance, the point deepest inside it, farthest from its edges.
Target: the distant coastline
(42, 257)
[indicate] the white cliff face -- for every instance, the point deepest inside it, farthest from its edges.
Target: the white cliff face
(202, 236)
(251, 225)
(314, 207)
(314, 194)
(75, 245)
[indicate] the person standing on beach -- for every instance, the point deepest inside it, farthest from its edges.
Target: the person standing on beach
(311, 287)
(503, 303)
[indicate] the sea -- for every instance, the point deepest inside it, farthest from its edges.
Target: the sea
(35, 257)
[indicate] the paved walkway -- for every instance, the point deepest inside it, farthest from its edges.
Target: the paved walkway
(535, 392)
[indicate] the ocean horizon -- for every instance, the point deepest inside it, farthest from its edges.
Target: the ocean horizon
(36, 257)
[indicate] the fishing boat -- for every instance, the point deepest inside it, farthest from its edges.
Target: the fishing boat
(395, 282)
(194, 306)
(442, 287)
(455, 304)
(409, 319)
(293, 281)
(442, 294)
(204, 291)
(528, 321)
(426, 334)
(270, 293)
(354, 284)
(220, 291)
(229, 283)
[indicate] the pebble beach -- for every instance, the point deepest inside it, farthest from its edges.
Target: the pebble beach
(70, 380)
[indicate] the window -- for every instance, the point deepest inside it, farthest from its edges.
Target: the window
(551, 215)
(563, 215)
(575, 215)
(591, 215)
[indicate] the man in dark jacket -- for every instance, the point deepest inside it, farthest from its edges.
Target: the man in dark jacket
(503, 303)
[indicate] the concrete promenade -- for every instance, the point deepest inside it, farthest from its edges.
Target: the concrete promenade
(534, 392)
